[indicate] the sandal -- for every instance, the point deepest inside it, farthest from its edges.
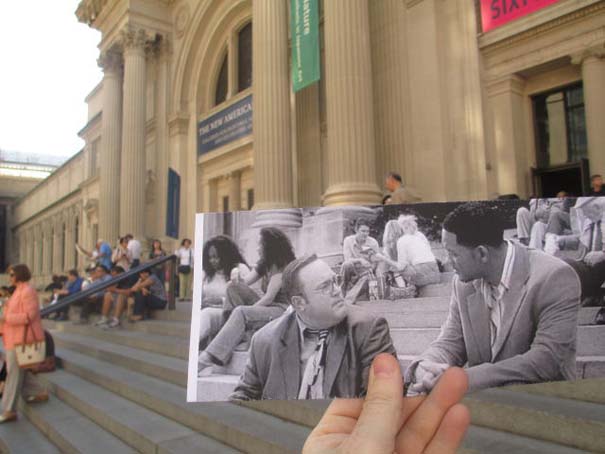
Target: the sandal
(37, 399)
(7, 417)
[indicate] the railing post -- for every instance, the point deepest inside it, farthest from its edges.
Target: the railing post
(171, 275)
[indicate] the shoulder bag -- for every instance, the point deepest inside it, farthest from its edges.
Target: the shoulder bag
(30, 355)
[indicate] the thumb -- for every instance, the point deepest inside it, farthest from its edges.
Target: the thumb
(380, 418)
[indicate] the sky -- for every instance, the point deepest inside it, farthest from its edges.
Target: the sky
(48, 65)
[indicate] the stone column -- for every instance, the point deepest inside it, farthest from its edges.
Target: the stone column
(23, 245)
(308, 147)
(68, 246)
(593, 77)
(133, 172)
(31, 251)
(163, 52)
(271, 116)
(351, 150)
(57, 245)
(109, 182)
(235, 190)
(506, 97)
(47, 248)
(389, 74)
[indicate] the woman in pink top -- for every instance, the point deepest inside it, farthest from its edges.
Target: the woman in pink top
(22, 308)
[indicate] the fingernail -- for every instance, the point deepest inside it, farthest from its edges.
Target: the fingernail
(384, 366)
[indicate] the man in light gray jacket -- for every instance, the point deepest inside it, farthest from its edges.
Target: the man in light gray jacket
(513, 311)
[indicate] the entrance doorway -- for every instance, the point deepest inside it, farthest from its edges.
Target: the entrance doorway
(561, 143)
(571, 178)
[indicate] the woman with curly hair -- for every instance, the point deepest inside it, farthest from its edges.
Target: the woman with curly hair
(221, 258)
(244, 307)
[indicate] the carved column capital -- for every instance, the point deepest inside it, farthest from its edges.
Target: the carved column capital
(161, 48)
(110, 61)
(134, 39)
(597, 52)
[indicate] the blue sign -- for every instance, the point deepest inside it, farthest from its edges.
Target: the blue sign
(173, 204)
(231, 123)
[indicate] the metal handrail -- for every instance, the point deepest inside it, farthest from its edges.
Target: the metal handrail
(93, 289)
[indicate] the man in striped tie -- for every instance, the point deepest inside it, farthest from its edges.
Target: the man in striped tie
(321, 348)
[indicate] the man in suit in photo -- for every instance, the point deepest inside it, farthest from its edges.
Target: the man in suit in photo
(513, 310)
(321, 348)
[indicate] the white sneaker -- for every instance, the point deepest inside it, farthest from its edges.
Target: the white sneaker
(551, 243)
(101, 322)
(114, 323)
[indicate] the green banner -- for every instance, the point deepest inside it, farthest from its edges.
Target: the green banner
(304, 21)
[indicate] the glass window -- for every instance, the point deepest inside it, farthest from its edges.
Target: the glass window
(560, 126)
(222, 83)
(225, 204)
(250, 198)
(244, 57)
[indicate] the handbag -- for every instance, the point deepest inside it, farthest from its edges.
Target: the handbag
(30, 355)
(184, 269)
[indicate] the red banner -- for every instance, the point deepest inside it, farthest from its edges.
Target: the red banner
(495, 13)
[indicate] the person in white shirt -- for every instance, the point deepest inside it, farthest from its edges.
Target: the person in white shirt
(134, 246)
(185, 268)
(414, 255)
(360, 253)
(122, 256)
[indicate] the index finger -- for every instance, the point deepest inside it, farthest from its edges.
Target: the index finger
(421, 426)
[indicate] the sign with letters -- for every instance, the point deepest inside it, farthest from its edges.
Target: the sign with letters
(304, 17)
(221, 128)
(495, 13)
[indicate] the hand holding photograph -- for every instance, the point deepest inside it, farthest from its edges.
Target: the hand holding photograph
(296, 303)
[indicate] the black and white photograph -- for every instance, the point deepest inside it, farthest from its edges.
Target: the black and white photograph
(296, 303)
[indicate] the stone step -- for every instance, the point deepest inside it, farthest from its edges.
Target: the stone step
(481, 439)
(566, 422)
(413, 341)
(591, 366)
(138, 426)
(587, 315)
(591, 340)
(477, 439)
(433, 312)
(588, 390)
(239, 427)
(406, 306)
(155, 343)
(173, 328)
(415, 319)
(442, 289)
(216, 387)
(181, 313)
(71, 431)
(167, 368)
(23, 437)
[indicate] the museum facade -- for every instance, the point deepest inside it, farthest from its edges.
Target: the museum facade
(196, 112)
